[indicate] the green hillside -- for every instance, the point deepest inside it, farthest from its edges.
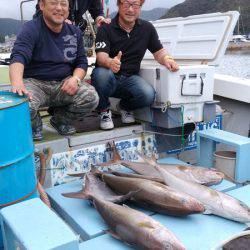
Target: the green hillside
(9, 26)
(197, 7)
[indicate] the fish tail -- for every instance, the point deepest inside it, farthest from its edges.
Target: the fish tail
(77, 195)
(80, 174)
(125, 197)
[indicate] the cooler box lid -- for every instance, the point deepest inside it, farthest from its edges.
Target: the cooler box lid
(199, 39)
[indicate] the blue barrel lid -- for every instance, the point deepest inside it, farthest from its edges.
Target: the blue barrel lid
(9, 99)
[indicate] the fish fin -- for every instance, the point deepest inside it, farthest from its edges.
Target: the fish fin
(81, 174)
(146, 224)
(112, 234)
(77, 195)
(125, 197)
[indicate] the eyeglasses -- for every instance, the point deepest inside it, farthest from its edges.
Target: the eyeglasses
(54, 3)
(135, 6)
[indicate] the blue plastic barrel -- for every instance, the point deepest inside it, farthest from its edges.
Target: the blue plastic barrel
(17, 168)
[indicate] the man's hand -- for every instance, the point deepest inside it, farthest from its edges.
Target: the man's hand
(100, 20)
(20, 89)
(171, 65)
(68, 21)
(70, 86)
(115, 63)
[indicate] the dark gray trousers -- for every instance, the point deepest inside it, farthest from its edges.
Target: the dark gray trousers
(67, 108)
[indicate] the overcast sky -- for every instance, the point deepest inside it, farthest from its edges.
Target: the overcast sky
(10, 8)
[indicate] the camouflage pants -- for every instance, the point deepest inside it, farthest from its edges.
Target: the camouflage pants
(67, 108)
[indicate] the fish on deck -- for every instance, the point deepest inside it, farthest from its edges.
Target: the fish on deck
(126, 224)
(201, 175)
(93, 185)
(214, 201)
(154, 196)
(136, 228)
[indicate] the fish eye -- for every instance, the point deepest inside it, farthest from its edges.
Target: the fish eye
(167, 246)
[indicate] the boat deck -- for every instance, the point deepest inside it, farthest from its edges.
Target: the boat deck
(195, 231)
(88, 133)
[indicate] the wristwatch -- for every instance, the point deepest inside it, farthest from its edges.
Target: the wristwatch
(167, 57)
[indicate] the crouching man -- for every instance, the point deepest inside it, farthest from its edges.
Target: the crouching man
(48, 63)
(120, 47)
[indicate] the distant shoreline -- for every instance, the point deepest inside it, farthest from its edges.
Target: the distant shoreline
(239, 46)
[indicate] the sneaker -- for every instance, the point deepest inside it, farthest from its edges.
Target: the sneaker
(106, 122)
(126, 116)
(37, 134)
(62, 128)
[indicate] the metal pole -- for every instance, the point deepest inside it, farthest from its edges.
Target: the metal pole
(21, 8)
(239, 21)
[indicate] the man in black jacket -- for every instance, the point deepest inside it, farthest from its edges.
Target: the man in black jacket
(78, 8)
(120, 48)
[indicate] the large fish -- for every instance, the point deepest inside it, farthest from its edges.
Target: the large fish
(154, 195)
(215, 202)
(136, 228)
(94, 186)
(201, 175)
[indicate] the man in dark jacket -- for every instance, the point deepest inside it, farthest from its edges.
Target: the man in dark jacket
(78, 7)
(48, 63)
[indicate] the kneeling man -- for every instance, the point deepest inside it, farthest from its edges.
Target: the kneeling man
(48, 63)
(120, 48)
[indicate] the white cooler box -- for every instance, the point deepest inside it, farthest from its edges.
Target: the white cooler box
(191, 84)
(198, 44)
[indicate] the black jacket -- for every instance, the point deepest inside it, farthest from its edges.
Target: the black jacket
(78, 8)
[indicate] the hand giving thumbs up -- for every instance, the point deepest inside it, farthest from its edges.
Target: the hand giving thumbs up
(115, 63)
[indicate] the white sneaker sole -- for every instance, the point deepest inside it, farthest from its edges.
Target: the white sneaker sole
(106, 127)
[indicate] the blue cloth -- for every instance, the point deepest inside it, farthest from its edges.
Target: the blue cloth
(133, 90)
(47, 55)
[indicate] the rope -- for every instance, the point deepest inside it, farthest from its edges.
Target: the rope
(43, 195)
(182, 128)
(20, 199)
